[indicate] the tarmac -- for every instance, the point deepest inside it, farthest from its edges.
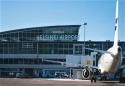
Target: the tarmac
(54, 82)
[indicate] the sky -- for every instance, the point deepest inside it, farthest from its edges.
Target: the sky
(99, 15)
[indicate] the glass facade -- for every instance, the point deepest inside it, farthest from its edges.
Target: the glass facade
(59, 48)
(17, 46)
(50, 33)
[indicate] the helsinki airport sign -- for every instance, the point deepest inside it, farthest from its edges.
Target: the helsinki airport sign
(53, 37)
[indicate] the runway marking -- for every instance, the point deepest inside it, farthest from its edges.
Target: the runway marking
(67, 79)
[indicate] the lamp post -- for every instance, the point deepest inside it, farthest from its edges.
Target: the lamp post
(84, 35)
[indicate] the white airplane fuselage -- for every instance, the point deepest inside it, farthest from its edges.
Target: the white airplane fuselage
(110, 62)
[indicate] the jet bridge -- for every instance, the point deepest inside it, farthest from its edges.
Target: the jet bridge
(81, 60)
(77, 64)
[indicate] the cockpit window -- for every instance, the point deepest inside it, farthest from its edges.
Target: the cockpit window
(119, 49)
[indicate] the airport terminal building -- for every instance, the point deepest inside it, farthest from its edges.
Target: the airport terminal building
(24, 50)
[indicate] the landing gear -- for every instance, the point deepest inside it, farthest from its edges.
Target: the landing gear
(93, 77)
(122, 76)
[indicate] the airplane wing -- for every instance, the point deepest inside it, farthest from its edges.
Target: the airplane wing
(52, 61)
(63, 63)
(100, 51)
(75, 65)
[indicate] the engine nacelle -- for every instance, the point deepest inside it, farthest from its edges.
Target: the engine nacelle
(86, 73)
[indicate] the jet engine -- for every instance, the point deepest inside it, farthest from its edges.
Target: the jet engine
(86, 73)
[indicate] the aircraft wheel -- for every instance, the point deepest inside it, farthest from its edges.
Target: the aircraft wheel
(95, 80)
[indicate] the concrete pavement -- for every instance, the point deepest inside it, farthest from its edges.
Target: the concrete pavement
(54, 82)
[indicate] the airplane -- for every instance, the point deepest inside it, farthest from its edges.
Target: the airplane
(109, 61)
